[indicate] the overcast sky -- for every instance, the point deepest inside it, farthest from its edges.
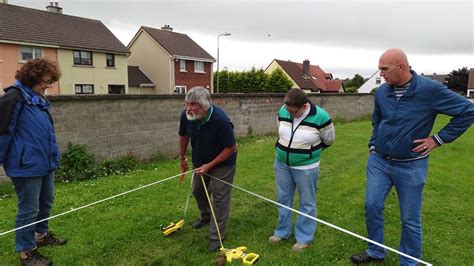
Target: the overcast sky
(343, 37)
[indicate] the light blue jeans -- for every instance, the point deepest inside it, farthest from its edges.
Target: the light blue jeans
(409, 179)
(35, 201)
(305, 181)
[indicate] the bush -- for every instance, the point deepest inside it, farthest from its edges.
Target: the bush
(120, 166)
(78, 164)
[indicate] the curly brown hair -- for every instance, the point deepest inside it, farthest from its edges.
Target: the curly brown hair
(33, 71)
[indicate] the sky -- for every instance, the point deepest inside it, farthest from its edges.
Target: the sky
(343, 37)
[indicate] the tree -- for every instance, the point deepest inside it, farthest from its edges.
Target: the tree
(278, 82)
(255, 80)
(457, 80)
(354, 84)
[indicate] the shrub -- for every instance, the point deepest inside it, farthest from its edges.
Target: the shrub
(76, 164)
(120, 166)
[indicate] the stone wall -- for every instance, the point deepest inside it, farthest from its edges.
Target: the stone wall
(147, 125)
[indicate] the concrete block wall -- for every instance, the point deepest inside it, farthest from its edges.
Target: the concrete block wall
(147, 125)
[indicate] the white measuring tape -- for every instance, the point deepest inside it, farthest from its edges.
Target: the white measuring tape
(93, 203)
(323, 222)
(247, 191)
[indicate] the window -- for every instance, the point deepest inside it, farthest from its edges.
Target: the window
(110, 60)
(30, 52)
(82, 58)
(199, 67)
(180, 89)
(84, 89)
(378, 80)
(116, 89)
(182, 65)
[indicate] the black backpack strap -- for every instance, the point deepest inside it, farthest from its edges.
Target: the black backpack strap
(8, 102)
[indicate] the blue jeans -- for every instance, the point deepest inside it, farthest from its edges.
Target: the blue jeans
(409, 179)
(35, 200)
(305, 181)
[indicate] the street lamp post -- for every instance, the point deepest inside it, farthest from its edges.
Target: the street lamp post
(217, 72)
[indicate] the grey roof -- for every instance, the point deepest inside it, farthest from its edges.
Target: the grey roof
(21, 24)
(136, 77)
(439, 77)
(177, 44)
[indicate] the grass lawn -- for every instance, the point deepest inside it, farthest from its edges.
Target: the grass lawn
(126, 230)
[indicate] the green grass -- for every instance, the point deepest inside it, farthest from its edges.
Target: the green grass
(126, 230)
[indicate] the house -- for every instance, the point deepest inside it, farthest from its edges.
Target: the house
(371, 83)
(92, 60)
(305, 76)
(438, 77)
(172, 60)
(470, 84)
(139, 82)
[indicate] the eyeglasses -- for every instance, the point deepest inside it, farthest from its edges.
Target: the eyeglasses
(48, 82)
(293, 110)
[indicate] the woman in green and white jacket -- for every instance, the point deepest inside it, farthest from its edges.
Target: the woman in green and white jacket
(305, 129)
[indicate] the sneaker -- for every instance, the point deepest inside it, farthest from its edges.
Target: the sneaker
(299, 246)
(34, 258)
(50, 240)
(362, 258)
(274, 239)
(200, 223)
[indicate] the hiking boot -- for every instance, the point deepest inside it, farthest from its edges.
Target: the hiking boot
(299, 246)
(34, 258)
(362, 258)
(200, 223)
(50, 240)
(213, 245)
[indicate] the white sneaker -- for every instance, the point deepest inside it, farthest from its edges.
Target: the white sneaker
(299, 246)
(274, 239)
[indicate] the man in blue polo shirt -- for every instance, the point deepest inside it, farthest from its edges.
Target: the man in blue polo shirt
(214, 155)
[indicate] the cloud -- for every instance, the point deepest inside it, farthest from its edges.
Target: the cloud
(343, 37)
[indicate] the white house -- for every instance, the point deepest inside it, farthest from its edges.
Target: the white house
(373, 82)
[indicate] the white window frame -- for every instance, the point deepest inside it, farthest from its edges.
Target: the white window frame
(378, 80)
(199, 67)
(34, 52)
(82, 88)
(180, 89)
(182, 65)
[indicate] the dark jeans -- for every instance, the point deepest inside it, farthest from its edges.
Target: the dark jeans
(35, 200)
(220, 195)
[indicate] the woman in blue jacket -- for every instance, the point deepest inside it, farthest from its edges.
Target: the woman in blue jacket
(29, 154)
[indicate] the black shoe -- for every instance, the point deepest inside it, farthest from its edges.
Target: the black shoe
(213, 246)
(35, 258)
(200, 223)
(50, 240)
(362, 258)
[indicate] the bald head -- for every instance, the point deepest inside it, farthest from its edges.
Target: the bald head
(394, 67)
(395, 55)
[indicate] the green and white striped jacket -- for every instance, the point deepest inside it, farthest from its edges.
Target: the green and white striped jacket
(291, 147)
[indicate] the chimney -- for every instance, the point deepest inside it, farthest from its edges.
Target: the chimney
(54, 8)
(167, 27)
(3, 1)
(306, 67)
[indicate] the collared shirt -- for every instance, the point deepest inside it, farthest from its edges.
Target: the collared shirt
(209, 137)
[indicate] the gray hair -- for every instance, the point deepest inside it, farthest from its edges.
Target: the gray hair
(199, 95)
